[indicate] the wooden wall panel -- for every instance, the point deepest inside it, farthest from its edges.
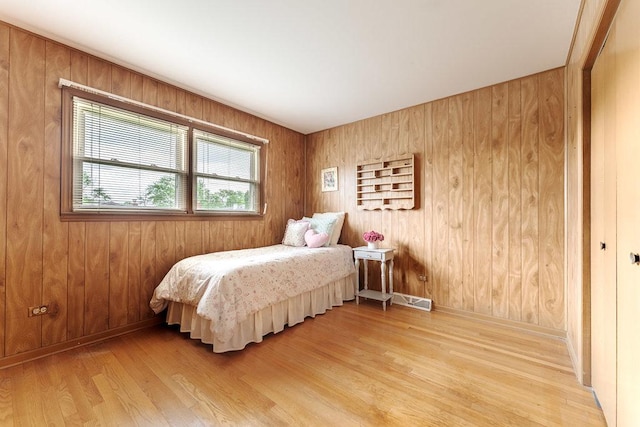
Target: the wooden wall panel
(482, 207)
(216, 242)
(136, 90)
(147, 267)
(277, 215)
(389, 227)
(79, 67)
(118, 273)
(121, 82)
(468, 222)
(4, 125)
(99, 276)
(99, 74)
(193, 238)
(427, 200)
(357, 137)
(165, 247)
(134, 271)
(477, 233)
(25, 158)
(530, 200)
(500, 201)
(515, 202)
(331, 199)
(456, 214)
(551, 157)
(150, 91)
(440, 201)
(56, 233)
(414, 224)
(96, 294)
(76, 280)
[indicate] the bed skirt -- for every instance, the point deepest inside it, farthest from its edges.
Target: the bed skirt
(270, 319)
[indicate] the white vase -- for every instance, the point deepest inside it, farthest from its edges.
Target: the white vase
(372, 245)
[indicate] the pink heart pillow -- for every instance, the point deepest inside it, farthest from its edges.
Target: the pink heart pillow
(315, 240)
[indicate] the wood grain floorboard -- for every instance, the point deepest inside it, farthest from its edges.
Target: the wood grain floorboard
(355, 365)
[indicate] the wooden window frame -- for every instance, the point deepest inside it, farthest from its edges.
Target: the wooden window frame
(66, 190)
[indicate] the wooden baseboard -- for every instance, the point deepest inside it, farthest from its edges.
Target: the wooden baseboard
(78, 342)
(541, 330)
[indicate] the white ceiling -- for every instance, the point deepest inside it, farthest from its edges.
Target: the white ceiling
(314, 64)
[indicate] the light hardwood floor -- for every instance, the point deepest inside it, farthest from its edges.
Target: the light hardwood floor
(355, 365)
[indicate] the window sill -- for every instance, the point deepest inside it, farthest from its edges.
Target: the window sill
(155, 216)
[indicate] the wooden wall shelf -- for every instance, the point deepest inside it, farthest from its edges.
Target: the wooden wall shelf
(386, 184)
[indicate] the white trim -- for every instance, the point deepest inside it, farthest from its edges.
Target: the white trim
(69, 83)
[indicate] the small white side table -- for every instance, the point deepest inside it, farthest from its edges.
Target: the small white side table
(383, 256)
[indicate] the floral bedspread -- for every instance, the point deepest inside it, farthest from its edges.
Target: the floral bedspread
(226, 287)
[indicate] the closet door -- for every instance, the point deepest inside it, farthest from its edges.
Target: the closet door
(603, 231)
(628, 159)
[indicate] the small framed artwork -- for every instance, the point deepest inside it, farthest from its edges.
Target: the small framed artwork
(329, 178)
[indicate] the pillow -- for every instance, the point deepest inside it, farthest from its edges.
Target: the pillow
(337, 229)
(315, 240)
(294, 233)
(322, 225)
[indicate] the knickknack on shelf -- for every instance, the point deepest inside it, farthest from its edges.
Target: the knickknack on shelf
(386, 184)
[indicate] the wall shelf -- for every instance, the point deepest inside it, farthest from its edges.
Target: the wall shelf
(386, 184)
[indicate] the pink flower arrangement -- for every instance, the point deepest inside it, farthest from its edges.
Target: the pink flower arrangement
(372, 236)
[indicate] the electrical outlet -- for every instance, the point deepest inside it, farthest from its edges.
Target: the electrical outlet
(422, 278)
(38, 310)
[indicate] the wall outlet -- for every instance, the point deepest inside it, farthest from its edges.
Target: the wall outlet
(38, 310)
(422, 278)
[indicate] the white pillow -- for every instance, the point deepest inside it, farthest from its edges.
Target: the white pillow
(294, 233)
(322, 224)
(337, 228)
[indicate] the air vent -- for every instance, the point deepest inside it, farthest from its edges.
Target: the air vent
(411, 301)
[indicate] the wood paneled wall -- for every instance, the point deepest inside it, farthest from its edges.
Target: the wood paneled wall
(488, 232)
(99, 276)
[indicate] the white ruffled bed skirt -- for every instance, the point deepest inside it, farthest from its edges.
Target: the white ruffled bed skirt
(270, 319)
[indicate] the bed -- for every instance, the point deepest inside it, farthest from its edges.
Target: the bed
(230, 299)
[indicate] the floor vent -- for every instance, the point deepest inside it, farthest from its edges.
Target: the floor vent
(411, 301)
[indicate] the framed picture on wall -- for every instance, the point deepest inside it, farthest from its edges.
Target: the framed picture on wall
(329, 179)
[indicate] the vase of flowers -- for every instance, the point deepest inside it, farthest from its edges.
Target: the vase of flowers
(372, 238)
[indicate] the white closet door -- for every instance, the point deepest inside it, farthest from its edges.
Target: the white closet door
(628, 160)
(603, 231)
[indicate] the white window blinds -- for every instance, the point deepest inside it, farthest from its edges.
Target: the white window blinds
(124, 160)
(226, 172)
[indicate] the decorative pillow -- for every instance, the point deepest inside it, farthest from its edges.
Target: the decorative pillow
(337, 229)
(315, 240)
(294, 233)
(322, 225)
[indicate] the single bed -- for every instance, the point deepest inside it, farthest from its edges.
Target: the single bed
(230, 299)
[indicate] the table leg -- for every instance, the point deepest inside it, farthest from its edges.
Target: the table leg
(383, 274)
(366, 274)
(391, 281)
(357, 262)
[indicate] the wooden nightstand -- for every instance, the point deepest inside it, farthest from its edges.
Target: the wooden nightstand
(383, 256)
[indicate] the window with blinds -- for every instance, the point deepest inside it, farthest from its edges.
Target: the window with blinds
(126, 159)
(226, 173)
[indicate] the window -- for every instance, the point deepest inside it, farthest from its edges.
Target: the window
(226, 173)
(123, 159)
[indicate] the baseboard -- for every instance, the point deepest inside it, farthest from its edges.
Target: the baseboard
(536, 329)
(574, 362)
(39, 353)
